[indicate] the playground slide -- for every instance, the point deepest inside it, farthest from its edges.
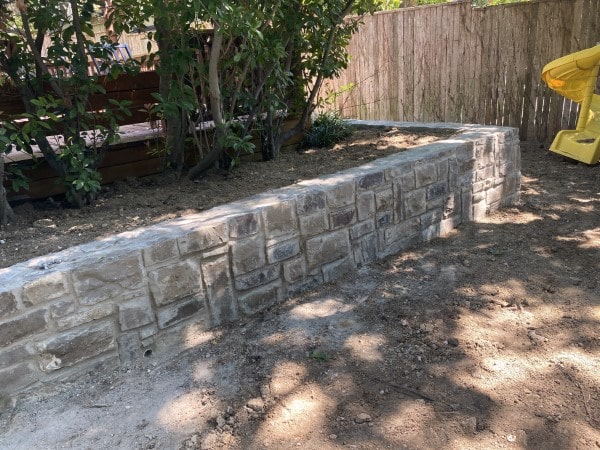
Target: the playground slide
(574, 77)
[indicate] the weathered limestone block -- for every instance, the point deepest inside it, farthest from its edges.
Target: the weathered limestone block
(465, 179)
(248, 255)
(396, 171)
(365, 249)
(107, 279)
(442, 169)
(280, 219)
(480, 210)
(75, 346)
(361, 228)
(405, 229)
(14, 355)
(312, 224)
(205, 237)
(414, 203)
(311, 201)
(181, 310)
(436, 195)
(85, 316)
(480, 186)
(342, 194)
(295, 270)
(425, 173)
(384, 218)
(18, 377)
(135, 313)
(342, 218)
(485, 173)
(512, 184)
(44, 289)
(243, 225)
(484, 150)
(431, 217)
(283, 250)
(160, 252)
(327, 247)
(431, 232)
(20, 327)
(370, 180)
(467, 206)
(219, 291)
(337, 269)
(465, 157)
(384, 200)
(452, 204)
(479, 196)
(437, 190)
(260, 298)
(62, 308)
(504, 169)
(147, 331)
(365, 205)
(258, 277)
(405, 178)
(494, 195)
(397, 202)
(394, 247)
(130, 347)
(453, 174)
(311, 281)
(8, 304)
(175, 281)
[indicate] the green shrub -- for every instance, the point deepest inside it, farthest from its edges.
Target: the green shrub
(327, 129)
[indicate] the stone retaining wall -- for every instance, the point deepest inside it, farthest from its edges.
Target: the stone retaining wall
(111, 301)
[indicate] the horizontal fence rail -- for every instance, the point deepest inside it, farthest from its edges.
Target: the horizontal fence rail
(457, 63)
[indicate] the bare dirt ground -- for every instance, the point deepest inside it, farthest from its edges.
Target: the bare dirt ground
(486, 339)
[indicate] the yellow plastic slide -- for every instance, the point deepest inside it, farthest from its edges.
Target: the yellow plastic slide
(574, 76)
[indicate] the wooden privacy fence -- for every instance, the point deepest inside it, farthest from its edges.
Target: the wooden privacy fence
(457, 63)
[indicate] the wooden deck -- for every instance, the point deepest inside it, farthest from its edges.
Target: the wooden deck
(132, 156)
(138, 153)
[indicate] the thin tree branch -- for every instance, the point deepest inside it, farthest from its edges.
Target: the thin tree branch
(37, 54)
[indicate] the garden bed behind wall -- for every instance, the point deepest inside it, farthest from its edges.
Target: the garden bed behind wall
(157, 288)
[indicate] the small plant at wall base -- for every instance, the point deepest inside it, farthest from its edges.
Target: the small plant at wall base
(327, 129)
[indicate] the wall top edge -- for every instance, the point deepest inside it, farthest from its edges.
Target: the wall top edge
(140, 238)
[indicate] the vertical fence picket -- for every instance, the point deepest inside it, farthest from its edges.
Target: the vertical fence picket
(408, 66)
(395, 81)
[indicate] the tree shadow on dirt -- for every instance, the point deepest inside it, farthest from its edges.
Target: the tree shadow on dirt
(487, 338)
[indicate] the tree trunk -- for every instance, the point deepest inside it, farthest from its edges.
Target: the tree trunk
(6, 212)
(176, 126)
(216, 107)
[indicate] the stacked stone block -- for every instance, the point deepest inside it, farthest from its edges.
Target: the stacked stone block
(109, 302)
